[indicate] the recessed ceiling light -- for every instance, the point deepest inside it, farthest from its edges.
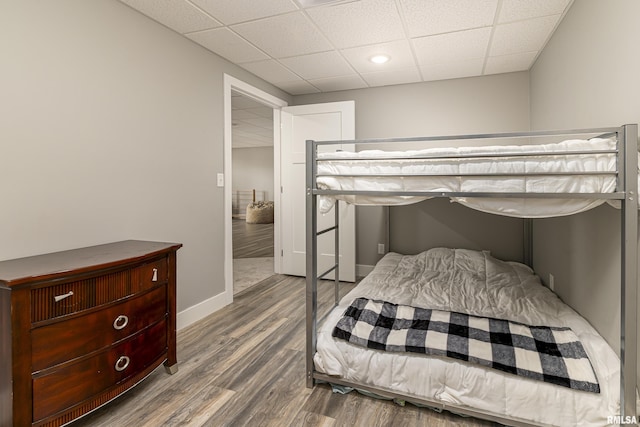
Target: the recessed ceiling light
(379, 59)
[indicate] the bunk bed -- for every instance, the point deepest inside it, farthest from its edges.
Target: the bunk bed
(531, 180)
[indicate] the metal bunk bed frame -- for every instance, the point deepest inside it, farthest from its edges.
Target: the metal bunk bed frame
(626, 192)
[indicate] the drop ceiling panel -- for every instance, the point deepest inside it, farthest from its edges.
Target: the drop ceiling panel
(331, 84)
(244, 114)
(318, 65)
(451, 47)
(235, 11)
(392, 77)
(228, 44)
(452, 70)
(284, 35)
(517, 10)
(523, 36)
(301, 87)
(359, 23)
(179, 15)
(244, 103)
(262, 111)
(252, 122)
(428, 17)
(261, 122)
(509, 63)
(271, 71)
(249, 129)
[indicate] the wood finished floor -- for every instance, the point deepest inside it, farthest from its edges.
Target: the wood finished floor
(252, 240)
(244, 366)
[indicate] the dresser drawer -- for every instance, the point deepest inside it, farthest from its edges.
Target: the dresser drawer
(67, 339)
(87, 377)
(62, 299)
(149, 274)
(59, 300)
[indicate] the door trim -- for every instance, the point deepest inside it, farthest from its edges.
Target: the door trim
(232, 83)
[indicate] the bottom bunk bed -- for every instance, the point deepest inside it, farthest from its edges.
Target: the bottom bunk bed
(469, 296)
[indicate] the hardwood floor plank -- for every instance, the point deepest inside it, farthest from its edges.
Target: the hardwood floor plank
(249, 345)
(200, 408)
(256, 393)
(252, 240)
(203, 415)
(309, 419)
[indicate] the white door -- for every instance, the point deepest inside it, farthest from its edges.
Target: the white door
(320, 122)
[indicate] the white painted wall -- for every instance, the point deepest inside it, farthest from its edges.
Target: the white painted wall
(489, 104)
(587, 76)
(111, 128)
(253, 170)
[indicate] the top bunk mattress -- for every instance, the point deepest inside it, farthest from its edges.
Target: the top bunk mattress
(474, 283)
(539, 171)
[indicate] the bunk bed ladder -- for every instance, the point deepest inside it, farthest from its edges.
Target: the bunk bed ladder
(312, 276)
(628, 179)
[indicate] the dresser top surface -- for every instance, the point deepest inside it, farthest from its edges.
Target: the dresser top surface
(48, 266)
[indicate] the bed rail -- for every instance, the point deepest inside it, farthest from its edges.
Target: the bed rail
(618, 152)
(596, 132)
(626, 192)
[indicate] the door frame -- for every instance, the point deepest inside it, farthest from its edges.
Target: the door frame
(232, 83)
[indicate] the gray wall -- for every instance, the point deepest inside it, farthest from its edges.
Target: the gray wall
(497, 103)
(253, 170)
(111, 128)
(587, 76)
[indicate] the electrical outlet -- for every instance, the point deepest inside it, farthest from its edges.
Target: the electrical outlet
(381, 248)
(552, 284)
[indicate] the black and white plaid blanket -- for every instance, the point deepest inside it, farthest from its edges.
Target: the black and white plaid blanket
(551, 354)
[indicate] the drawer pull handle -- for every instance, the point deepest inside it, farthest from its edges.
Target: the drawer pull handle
(122, 363)
(155, 275)
(121, 322)
(59, 298)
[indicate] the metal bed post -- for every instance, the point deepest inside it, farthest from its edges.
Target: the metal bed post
(629, 272)
(527, 242)
(311, 258)
(336, 275)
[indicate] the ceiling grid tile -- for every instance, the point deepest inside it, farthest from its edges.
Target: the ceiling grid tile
(286, 35)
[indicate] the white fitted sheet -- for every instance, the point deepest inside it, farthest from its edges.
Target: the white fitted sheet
(380, 163)
(471, 282)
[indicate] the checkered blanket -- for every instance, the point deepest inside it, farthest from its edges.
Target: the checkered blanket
(550, 354)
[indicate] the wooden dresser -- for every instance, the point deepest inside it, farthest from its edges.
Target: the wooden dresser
(80, 327)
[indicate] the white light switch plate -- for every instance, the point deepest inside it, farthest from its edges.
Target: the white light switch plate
(220, 180)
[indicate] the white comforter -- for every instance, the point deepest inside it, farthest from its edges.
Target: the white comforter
(380, 163)
(475, 283)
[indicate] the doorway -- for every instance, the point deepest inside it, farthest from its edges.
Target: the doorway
(252, 185)
(246, 92)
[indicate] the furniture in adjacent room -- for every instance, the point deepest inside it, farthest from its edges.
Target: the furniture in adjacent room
(82, 326)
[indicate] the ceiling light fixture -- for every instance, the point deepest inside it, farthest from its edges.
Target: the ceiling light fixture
(379, 59)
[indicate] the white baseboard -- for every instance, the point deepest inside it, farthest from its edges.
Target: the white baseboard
(202, 310)
(363, 270)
